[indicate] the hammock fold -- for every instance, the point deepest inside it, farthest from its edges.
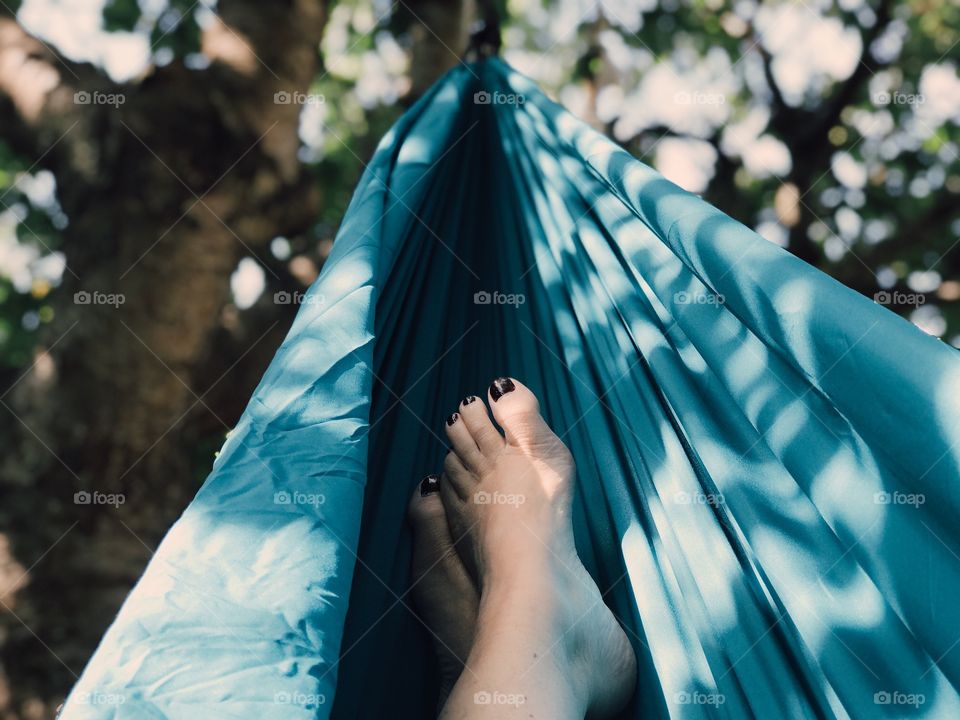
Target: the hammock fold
(767, 461)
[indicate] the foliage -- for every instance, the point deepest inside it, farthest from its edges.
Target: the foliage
(31, 266)
(877, 185)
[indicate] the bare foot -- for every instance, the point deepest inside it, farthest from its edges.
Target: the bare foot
(443, 591)
(510, 497)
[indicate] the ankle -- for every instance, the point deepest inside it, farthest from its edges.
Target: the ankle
(538, 623)
(538, 592)
(519, 567)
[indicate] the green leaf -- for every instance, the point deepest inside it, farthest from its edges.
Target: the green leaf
(121, 15)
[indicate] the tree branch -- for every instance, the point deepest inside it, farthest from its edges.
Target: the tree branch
(41, 117)
(829, 113)
(779, 104)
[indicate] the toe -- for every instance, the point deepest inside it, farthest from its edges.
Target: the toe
(442, 587)
(477, 420)
(427, 511)
(431, 534)
(425, 503)
(517, 411)
(457, 477)
(452, 507)
(463, 443)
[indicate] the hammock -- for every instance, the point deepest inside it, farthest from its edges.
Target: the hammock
(767, 461)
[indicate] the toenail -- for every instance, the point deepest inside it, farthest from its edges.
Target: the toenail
(453, 418)
(429, 485)
(500, 387)
(468, 399)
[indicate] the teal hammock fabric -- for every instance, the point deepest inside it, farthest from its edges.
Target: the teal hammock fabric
(767, 461)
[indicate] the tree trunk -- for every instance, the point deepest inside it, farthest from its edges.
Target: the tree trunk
(440, 35)
(165, 193)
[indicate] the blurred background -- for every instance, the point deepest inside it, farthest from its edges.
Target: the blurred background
(172, 175)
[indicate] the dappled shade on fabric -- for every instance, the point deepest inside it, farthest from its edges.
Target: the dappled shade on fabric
(767, 461)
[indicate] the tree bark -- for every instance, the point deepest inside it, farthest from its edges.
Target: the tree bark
(440, 34)
(165, 193)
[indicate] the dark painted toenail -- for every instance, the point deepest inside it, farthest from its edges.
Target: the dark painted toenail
(453, 418)
(500, 387)
(429, 485)
(468, 399)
